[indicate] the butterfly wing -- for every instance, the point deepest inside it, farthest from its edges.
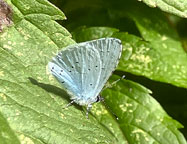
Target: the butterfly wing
(110, 52)
(78, 69)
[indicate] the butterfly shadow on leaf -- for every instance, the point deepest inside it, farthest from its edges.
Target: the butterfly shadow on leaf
(54, 90)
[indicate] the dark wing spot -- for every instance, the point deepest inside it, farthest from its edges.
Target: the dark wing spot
(61, 70)
(89, 69)
(77, 62)
(91, 84)
(52, 69)
(72, 66)
(62, 82)
(58, 57)
(96, 66)
(69, 71)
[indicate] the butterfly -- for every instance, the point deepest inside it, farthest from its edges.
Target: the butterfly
(84, 68)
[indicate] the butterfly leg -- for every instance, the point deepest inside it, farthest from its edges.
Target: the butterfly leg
(69, 104)
(88, 110)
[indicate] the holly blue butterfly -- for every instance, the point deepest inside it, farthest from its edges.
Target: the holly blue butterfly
(84, 68)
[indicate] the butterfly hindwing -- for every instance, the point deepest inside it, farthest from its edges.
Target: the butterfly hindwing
(110, 51)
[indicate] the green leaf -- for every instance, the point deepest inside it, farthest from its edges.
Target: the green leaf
(159, 53)
(141, 118)
(7, 135)
(177, 7)
(157, 62)
(31, 103)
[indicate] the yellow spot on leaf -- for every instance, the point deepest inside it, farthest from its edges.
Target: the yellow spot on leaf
(3, 35)
(123, 108)
(146, 138)
(2, 95)
(51, 78)
(130, 111)
(138, 120)
(1, 73)
(98, 112)
(128, 104)
(7, 47)
(25, 140)
(141, 58)
(139, 131)
(14, 43)
(50, 42)
(62, 115)
(39, 78)
(26, 38)
(9, 42)
(19, 54)
(17, 113)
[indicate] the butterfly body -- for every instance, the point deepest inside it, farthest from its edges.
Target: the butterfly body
(84, 68)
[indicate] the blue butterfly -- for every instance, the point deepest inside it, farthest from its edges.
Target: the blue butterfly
(84, 68)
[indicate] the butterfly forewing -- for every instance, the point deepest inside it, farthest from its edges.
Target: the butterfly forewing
(78, 69)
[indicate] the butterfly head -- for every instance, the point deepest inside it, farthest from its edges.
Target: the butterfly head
(99, 98)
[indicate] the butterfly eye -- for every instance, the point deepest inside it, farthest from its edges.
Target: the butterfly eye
(99, 98)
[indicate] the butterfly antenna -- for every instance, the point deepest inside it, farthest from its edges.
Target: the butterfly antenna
(109, 109)
(113, 83)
